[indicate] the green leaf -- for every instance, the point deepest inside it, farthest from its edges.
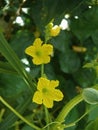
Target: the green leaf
(92, 125)
(95, 37)
(49, 71)
(26, 127)
(85, 77)
(11, 118)
(44, 11)
(72, 116)
(62, 41)
(88, 65)
(66, 109)
(69, 62)
(11, 90)
(90, 95)
(12, 58)
(5, 67)
(86, 24)
(94, 113)
(20, 41)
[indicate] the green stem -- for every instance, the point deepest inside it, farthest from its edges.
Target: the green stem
(17, 114)
(73, 123)
(47, 117)
(1, 114)
(66, 109)
(42, 70)
(46, 110)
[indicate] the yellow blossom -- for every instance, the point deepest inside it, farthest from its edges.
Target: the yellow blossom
(55, 30)
(46, 92)
(40, 52)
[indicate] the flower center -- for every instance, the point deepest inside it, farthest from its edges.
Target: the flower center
(38, 53)
(44, 90)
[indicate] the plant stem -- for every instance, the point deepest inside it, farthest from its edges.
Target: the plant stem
(1, 114)
(66, 109)
(47, 117)
(17, 114)
(46, 110)
(42, 70)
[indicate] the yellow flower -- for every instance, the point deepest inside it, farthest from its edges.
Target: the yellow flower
(46, 92)
(40, 53)
(55, 30)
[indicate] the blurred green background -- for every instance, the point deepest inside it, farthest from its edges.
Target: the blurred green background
(21, 21)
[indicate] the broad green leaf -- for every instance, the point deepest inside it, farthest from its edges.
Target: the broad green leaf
(92, 125)
(94, 113)
(12, 87)
(85, 77)
(62, 41)
(95, 37)
(86, 24)
(20, 41)
(27, 128)
(72, 116)
(69, 62)
(44, 11)
(49, 71)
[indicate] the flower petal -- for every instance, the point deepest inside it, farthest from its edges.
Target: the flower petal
(37, 42)
(48, 102)
(37, 97)
(46, 59)
(41, 60)
(54, 83)
(43, 83)
(37, 61)
(57, 95)
(30, 50)
(47, 49)
(55, 30)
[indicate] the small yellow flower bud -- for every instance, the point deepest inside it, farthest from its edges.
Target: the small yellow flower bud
(37, 34)
(55, 31)
(79, 49)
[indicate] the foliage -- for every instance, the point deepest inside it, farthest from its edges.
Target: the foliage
(74, 63)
